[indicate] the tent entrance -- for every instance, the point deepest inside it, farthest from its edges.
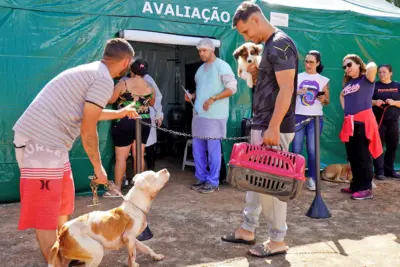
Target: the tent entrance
(173, 62)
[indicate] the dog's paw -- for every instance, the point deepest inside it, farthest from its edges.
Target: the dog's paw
(158, 257)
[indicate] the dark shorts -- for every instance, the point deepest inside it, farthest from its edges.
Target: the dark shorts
(124, 132)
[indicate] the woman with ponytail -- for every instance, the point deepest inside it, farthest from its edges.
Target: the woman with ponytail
(312, 95)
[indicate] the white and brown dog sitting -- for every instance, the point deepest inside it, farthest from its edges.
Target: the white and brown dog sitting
(87, 237)
(247, 54)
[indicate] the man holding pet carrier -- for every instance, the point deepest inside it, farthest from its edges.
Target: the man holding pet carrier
(273, 123)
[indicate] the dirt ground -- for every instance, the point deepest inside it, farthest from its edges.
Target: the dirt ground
(187, 227)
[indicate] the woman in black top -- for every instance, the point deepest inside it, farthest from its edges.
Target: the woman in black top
(386, 107)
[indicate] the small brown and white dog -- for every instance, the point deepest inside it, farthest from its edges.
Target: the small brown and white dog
(247, 54)
(337, 173)
(87, 237)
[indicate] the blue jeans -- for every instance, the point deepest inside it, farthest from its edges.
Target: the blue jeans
(309, 131)
(200, 147)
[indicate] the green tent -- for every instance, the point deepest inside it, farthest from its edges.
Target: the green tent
(39, 39)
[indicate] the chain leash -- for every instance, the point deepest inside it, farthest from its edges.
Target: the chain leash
(210, 138)
(110, 184)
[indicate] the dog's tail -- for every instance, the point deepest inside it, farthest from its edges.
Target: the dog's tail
(54, 253)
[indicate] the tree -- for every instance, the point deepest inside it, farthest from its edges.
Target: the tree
(395, 2)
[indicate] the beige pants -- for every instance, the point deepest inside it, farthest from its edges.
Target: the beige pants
(274, 209)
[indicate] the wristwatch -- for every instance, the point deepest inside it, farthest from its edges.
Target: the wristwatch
(214, 98)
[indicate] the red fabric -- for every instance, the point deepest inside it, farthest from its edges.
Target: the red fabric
(371, 130)
(43, 200)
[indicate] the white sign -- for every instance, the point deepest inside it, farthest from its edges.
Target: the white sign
(279, 19)
(205, 14)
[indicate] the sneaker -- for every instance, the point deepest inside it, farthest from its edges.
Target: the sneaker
(310, 184)
(346, 190)
(207, 188)
(361, 195)
(394, 176)
(197, 185)
(380, 177)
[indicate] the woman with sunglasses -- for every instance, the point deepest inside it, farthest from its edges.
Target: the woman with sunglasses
(360, 130)
(312, 95)
(386, 107)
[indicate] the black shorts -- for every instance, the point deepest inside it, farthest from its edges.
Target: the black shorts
(124, 132)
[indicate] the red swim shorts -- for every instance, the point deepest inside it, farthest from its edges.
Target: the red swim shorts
(46, 186)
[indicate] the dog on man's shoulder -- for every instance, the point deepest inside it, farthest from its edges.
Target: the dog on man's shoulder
(337, 173)
(247, 54)
(87, 237)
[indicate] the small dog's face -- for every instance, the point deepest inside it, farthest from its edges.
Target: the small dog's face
(151, 182)
(247, 52)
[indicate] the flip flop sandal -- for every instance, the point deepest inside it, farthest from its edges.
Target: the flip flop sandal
(262, 252)
(231, 238)
(110, 195)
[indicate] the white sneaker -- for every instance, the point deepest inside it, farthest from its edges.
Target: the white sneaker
(310, 184)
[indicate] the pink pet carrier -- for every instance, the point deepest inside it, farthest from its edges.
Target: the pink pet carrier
(267, 171)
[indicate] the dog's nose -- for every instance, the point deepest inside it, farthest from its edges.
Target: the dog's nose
(165, 171)
(249, 60)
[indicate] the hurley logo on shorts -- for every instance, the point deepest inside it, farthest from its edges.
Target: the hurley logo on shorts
(45, 184)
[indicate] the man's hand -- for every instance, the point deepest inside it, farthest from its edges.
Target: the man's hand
(253, 70)
(380, 102)
(321, 99)
(101, 176)
(159, 121)
(192, 96)
(208, 103)
(128, 111)
(271, 137)
(390, 102)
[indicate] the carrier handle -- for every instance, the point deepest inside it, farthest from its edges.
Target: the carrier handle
(277, 156)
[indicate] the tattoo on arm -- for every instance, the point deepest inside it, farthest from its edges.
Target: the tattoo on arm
(90, 142)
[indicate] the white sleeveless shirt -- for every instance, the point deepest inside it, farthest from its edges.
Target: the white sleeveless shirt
(308, 104)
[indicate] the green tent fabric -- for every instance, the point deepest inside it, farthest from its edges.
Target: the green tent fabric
(39, 39)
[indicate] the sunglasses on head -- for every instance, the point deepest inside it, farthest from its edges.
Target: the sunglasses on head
(348, 65)
(309, 62)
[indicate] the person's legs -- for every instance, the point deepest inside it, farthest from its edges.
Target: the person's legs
(121, 155)
(46, 240)
(297, 145)
(143, 162)
(214, 162)
(199, 148)
(379, 162)
(392, 142)
(47, 192)
(151, 157)
(275, 214)
(360, 160)
(252, 210)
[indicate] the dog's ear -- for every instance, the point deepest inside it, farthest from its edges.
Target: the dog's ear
(135, 177)
(259, 49)
(237, 52)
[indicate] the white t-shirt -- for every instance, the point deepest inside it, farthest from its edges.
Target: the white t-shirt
(308, 104)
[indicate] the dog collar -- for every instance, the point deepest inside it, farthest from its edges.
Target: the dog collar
(127, 200)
